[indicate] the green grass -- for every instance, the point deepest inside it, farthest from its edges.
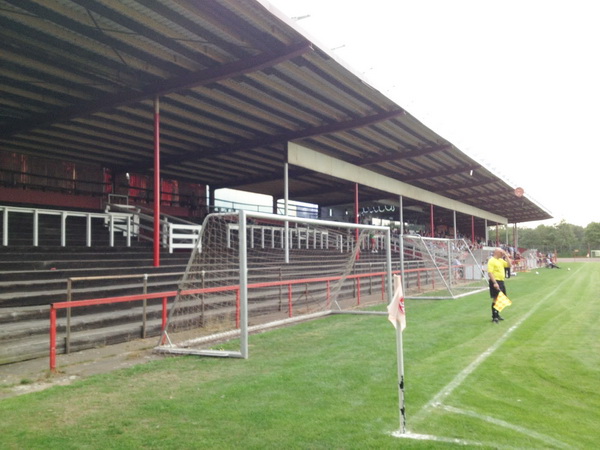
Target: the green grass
(331, 383)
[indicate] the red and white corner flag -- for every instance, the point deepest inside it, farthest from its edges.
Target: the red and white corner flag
(396, 311)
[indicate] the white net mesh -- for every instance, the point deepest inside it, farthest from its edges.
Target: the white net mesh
(441, 268)
(315, 278)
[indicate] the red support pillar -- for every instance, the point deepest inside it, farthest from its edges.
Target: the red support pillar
(356, 217)
(52, 339)
(156, 247)
(432, 222)
(473, 229)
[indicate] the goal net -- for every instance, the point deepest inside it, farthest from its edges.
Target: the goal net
(251, 271)
(441, 268)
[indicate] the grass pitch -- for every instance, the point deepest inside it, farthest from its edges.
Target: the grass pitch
(529, 382)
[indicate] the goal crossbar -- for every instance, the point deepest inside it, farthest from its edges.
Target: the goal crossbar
(448, 267)
(240, 282)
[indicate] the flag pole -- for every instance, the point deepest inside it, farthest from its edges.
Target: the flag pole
(400, 358)
(399, 345)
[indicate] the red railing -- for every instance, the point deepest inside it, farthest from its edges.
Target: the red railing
(54, 307)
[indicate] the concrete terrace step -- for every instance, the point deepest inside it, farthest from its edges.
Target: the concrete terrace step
(22, 315)
(6, 268)
(109, 289)
(27, 251)
(28, 284)
(63, 254)
(80, 321)
(20, 341)
(59, 255)
(63, 274)
(37, 346)
(26, 335)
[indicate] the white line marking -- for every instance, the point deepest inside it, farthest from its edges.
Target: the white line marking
(534, 434)
(429, 437)
(458, 380)
(438, 399)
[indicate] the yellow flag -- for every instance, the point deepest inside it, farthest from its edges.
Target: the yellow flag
(502, 301)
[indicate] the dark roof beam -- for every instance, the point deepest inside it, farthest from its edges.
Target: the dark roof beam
(208, 37)
(442, 173)
(229, 22)
(90, 32)
(139, 28)
(199, 78)
(203, 153)
(401, 156)
(360, 162)
(265, 178)
(462, 186)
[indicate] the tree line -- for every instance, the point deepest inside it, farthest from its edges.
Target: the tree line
(564, 238)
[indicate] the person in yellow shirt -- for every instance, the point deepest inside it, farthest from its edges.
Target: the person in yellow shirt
(499, 261)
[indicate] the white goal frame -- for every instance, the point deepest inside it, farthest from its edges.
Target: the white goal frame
(444, 266)
(166, 346)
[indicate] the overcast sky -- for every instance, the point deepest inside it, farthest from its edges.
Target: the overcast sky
(513, 84)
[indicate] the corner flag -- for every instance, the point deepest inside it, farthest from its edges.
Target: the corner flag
(397, 315)
(396, 312)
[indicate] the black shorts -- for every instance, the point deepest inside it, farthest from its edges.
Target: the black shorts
(493, 291)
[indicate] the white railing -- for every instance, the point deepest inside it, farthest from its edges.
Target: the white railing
(174, 232)
(127, 220)
(300, 237)
(183, 236)
(36, 213)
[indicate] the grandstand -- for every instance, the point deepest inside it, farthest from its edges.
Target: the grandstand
(109, 160)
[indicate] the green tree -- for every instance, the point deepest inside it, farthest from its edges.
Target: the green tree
(592, 236)
(528, 238)
(562, 237)
(566, 237)
(547, 237)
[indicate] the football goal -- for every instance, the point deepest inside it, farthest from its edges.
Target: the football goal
(441, 268)
(251, 271)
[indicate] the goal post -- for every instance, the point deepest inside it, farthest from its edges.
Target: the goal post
(436, 268)
(252, 271)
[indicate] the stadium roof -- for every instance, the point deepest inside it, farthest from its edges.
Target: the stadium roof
(236, 81)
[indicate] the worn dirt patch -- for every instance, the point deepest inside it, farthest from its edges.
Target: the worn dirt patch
(34, 375)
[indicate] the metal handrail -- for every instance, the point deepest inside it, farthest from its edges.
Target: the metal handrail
(170, 233)
(143, 276)
(149, 213)
(37, 212)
